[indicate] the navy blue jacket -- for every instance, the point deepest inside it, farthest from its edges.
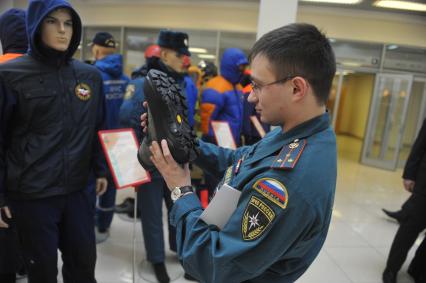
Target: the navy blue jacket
(115, 83)
(51, 108)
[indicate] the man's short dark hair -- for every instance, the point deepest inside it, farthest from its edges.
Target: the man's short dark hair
(299, 50)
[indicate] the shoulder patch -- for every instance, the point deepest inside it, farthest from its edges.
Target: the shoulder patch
(273, 190)
(289, 155)
(256, 218)
(130, 91)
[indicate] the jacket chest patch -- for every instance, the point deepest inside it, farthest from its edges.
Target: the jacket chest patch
(130, 92)
(273, 190)
(256, 218)
(83, 91)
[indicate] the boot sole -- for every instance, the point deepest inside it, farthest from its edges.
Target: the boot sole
(167, 112)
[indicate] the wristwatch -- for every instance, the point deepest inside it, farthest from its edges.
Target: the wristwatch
(178, 192)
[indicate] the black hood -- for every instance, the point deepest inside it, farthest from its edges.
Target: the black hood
(13, 35)
(37, 11)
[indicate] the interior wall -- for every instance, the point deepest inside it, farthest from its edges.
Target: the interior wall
(243, 17)
(355, 104)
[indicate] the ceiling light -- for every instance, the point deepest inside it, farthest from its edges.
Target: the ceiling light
(335, 1)
(197, 50)
(392, 47)
(206, 56)
(351, 64)
(401, 5)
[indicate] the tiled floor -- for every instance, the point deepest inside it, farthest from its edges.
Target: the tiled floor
(355, 250)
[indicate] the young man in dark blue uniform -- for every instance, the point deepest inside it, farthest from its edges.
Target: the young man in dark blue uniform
(174, 45)
(110, 64)
(51, 108)
(287, 180)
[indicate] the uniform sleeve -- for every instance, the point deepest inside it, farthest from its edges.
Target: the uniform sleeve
(98, 157)
(7, 104)
(191, 99)
(416, 155)
(215, 159)
(211, 104)
(233, 254)
(132, 107)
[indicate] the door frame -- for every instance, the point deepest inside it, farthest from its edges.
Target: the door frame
(372, 122)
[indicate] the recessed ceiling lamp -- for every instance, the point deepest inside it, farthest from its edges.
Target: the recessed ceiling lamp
(206, 56)
(401, 5)
(392, 47)
(197, 50)
(351, 2)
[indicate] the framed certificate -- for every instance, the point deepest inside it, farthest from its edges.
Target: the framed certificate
(223, 134)
(121, 149)
(258, 126)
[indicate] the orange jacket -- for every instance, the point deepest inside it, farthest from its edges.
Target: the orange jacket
(9, 56)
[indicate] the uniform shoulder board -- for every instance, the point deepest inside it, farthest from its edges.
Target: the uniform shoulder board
(289, 155)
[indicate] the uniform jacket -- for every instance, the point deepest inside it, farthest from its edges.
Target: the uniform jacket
(50, 110)
(415, 167)
(282, 217)
(221, 98)
(191, 93)
(114, 87)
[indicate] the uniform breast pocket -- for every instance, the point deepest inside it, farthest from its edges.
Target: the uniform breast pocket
(40, 106)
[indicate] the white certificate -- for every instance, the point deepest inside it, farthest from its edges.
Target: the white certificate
(221, 207)
(223, 134)
(121, 149)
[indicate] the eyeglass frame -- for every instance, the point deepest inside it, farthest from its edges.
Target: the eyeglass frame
(257, 88)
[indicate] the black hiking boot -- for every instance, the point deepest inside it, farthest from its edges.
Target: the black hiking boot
(167, 119)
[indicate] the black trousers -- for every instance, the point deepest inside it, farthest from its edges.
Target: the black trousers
(413, 222)
(62, 222)
(10, 254)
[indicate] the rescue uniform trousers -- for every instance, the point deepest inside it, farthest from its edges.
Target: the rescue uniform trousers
(61, 222)
(150, 204)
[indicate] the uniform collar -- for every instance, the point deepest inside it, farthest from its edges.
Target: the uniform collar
(274, 141)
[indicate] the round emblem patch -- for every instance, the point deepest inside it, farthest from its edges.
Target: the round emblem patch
(83, 91)
(130, 91)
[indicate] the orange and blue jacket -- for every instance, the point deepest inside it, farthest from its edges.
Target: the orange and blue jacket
(221, 99)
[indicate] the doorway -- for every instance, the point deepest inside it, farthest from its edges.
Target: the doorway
(348, 106)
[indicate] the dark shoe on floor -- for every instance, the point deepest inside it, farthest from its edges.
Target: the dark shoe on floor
(126, 206)
(389, 276)
(393, 214)
(416, 274)
(167, 119)
(161, 272)
(189, 277)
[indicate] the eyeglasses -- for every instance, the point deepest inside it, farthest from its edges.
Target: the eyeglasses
(257, 88)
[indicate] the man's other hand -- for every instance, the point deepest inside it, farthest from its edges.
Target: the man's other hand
(408, 185)
(6, 212)
(101, 186)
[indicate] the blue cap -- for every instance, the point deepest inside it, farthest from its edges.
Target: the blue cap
(104, 39)
(174, 40)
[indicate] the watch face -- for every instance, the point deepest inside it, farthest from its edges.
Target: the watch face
(175, 194)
